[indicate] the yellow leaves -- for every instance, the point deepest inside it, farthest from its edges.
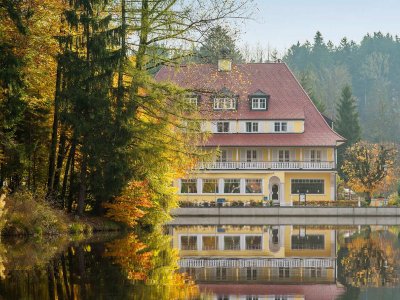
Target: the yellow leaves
(129, 207)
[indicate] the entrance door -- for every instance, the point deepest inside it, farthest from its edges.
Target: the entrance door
(275, 194)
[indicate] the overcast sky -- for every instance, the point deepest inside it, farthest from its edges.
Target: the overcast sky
(281, 23)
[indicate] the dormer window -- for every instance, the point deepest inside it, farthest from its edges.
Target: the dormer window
(224, 103)
(280, 126)
(259, 103)
(259, 100)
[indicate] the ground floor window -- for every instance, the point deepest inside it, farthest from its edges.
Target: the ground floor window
(210, 243)
(253, 186)
(188, 186)
(307, 186)
(308, 242)
(231, 186)
(231, 242)
(253, 242)
(210, 186)
(188, 242)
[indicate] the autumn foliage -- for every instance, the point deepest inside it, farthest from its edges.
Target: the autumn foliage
(129, 206)
(367, 165)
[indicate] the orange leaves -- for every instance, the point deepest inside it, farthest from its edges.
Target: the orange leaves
(129, 207)
(131, 254)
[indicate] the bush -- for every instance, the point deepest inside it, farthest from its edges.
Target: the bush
(29, 215)
(394, 199)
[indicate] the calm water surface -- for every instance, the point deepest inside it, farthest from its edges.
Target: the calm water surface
(209, 262)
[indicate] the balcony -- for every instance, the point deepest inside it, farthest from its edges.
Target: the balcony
(268, 165)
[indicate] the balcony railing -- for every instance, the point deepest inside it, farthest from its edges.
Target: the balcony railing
(265, 165)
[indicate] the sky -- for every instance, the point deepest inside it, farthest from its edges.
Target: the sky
(281, 23)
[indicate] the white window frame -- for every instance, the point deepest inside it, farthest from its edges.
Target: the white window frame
(225, 103)
(285, 157)
(192, 180)
(259, 103)
(254, 127)
(281, 126)
(259, 180)
(223, 126)
(192, 100)
(315, 155)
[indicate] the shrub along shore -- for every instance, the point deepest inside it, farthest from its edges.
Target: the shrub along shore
(23, 214)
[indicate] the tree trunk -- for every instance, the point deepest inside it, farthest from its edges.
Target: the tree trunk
(82, 185)
(71, 155)
(54, 134)
(368, 198)
(60, 160)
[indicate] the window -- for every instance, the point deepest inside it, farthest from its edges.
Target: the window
(284, 273)
(222, 156)
(231, 186)
(222, 126)
(253, 186)
(280, 126)
(316, 272)
(251, 274)
(188, 242)
(259, 103)
(284, 155)
(220, 273)
(251, 155)
(252, 297)
(192, 101)
(308, 242)
(224, 103)
(188, 186)
(315, 155)
(253, 242)
(251, 126)
(308, 186)
(231, 242)
(210, 243)
(210, 186)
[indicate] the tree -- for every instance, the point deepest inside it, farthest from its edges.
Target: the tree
(306, 80)
(347, 123)
(218, 40)
(366, 165)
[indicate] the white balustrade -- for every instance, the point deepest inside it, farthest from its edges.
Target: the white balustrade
(265, 165)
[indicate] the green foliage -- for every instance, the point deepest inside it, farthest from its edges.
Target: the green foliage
(218, 40)
(371, 68)
(347, 123)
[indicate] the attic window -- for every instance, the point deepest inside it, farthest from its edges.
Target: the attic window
(259, 100)
(224, 103)
(259, 103)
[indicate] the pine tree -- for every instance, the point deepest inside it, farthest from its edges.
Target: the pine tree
(217, 40)
(347, 123)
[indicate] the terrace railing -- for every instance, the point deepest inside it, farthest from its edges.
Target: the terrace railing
(268, 165)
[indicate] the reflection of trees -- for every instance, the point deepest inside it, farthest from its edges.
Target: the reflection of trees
(152, 264)
(368, 260)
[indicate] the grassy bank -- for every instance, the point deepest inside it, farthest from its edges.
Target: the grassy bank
(25, 214)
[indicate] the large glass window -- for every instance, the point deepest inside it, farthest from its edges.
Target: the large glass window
(307, 186)
(284, 272)
(231, 242)
(251, 274)
(259, 103)
(253, 242)
(222, 127)
(220, 273)
(210, 243)
(188, 242)
(224, 103)
(231, 186)
(315, 155)
(253, 186)
(210, 186)
(188, 186)
(308, 242)
(223, 155)
(251, 155)
(284, 155)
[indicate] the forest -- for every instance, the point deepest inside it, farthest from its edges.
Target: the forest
(371, 68)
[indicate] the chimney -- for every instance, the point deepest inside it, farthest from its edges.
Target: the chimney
(224, 61)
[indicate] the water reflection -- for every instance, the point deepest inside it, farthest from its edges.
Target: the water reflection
(208, 262)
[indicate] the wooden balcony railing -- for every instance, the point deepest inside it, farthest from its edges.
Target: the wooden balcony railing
(265, 165)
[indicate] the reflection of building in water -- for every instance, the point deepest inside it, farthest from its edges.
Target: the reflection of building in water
(236, 260)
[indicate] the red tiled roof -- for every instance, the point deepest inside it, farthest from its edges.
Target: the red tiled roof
(288, 101)
(309, 291)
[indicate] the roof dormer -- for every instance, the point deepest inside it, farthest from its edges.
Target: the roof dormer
(259, 100)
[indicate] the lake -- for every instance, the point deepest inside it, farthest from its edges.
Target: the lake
(189, 261)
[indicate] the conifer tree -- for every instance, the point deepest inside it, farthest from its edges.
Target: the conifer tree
(347, 122)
